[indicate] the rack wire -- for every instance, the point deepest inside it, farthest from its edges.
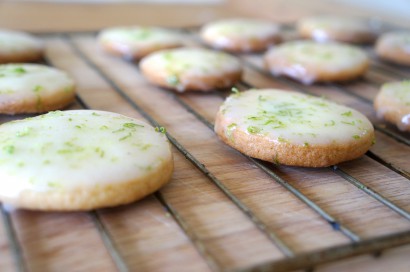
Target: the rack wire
(291, 260)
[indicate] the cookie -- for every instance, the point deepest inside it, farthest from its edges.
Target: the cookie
(81, 160)
(392, 103)
(241, 35)
(309, 61)
(338, 28)
(16, 46)
(291, 128)
(33, 88)
(135, 42)
(394, 47)
(191, 69)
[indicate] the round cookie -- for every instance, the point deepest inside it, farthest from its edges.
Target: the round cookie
(394, 47)
(291, 128)
(81, 160)
(191, 69)
(241, 35)
(393, 103)
(16, 46)
(338, 28)
(135, 42)
(33, 88)
(309, 61)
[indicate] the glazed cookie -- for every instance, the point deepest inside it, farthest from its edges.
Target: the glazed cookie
(33, 88)
(291, 128)
(135, 42)
(18, 46)
(394, 47)
(191, 69)
(393, 104)
(337, 28)
(81, 160)
(241, 35)
(309, 61)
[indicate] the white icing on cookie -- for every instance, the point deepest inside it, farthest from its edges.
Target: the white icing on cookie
(230, 32)
(131, 40)
(308, 60)
(399, 40)
(326, 27)
(77, 149)
(15, 42)
(181, 66)
(33, 82)
(291, 117)
(394, 100)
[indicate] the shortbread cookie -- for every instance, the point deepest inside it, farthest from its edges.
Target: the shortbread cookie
(241, 35)
(394, 47)
(33, 88)
(16, 46)
(393, 104)
(135, 42)
(191, 69)
(81, 160)
(291, 128)
(337, 28)
(309, 61)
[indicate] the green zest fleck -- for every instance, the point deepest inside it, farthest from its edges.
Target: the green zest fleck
(54, 185)
(348, 113)
(161, 129)
(232, 126)
(330, 124)
(38, 88)
(23, 133)
(261, 98)
(100, 152)
(104, 127)
(348, 123)
(126, 137)
(95, 114)
(276, 159)
(235, 90)
(132, 125)
(7, 91)
(9, 149)
(173, 80)
(282, 140)
(356, 137)
(305, 144)
(374, 141)
(19, 70)
(69, 89)
(142, 34)
(253, 129)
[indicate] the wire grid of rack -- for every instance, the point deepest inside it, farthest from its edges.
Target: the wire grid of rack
(222, 211)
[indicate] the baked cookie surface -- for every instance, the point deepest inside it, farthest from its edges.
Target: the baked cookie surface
(16, 46)
(309, 61)
(393, 103)
(80, 160)
(241, 35)
(135, 42)
(338, 28)
(394, 47)
(191, 69)
(291, 128)
(33, 88)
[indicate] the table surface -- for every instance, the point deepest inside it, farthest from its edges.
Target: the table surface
(81, 58)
